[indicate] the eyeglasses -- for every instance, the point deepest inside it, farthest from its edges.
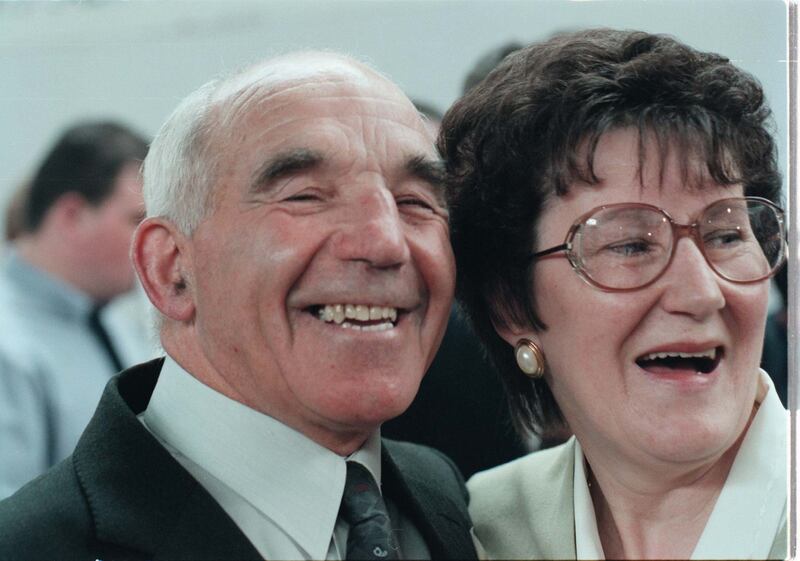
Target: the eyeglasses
(627, 246)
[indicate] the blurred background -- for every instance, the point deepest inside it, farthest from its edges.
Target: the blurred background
(132, 61)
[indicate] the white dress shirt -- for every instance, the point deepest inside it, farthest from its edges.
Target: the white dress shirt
(282, 489)
(751, 507)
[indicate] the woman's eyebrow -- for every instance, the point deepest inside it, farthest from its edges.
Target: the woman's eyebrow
(284, 164)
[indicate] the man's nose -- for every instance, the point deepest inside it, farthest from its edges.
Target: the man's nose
(372, 231)
(691, 286)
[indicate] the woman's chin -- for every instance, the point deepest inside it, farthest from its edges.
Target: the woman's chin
(690, 440)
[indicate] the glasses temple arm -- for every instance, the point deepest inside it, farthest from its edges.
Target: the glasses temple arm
(548, 251)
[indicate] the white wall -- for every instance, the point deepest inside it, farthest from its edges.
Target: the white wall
(62, 61)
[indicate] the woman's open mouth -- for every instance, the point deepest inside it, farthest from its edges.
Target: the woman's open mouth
(702, 362)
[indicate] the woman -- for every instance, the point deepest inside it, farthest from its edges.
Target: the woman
(612, 207)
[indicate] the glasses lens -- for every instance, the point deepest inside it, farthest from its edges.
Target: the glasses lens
(623, 247)
(742, 238)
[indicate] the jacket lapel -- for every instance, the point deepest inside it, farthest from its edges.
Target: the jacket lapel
(140, 497)
(204, 531)
(442, 521)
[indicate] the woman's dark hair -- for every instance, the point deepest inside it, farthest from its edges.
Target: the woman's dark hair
(530, 129)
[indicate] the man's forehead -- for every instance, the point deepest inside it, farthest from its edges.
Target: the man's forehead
(282, 73)
(267, 90)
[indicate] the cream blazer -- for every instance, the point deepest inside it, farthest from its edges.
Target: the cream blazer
(524, 509)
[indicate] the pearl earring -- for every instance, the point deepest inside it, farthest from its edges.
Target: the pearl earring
(530, 358)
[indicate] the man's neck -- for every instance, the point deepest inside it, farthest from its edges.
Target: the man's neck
(39, 251)
(180, 341)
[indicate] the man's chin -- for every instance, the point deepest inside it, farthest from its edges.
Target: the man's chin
(369, 414)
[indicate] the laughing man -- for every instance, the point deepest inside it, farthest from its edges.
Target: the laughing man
(297, 250)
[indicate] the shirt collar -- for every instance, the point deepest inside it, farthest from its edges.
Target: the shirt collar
(587, 537)
(369, 456)
(751, 506)
(289, 478)
(44, 290)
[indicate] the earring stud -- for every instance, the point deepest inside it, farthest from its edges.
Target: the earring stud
(530, 358)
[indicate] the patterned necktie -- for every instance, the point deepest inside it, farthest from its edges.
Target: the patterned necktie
(102, 336)
(370, 535)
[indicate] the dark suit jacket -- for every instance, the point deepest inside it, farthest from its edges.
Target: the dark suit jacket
(121, 495)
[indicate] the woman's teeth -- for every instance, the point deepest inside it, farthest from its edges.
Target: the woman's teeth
(702, 362)
(710, 353)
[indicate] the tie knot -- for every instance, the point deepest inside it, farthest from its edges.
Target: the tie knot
(370, 533)
(361, 494)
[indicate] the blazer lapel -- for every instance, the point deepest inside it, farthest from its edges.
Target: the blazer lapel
(140, 497)
(204, 531)
(444, 523)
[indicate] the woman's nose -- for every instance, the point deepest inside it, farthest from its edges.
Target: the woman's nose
(691, 287)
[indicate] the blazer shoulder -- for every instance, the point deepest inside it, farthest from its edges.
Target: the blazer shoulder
(428, 487)
(423, 463)
(523, 509)
(48, 518)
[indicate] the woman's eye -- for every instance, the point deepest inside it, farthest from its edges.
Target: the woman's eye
(723, 238)
(631, 248)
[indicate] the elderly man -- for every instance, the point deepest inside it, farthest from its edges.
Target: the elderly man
(69, 259)
(297, 250)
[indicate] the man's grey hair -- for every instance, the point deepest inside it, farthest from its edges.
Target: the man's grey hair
(186, 156)
(179, 168)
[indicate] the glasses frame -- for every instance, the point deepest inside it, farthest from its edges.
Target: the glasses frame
(678, 231)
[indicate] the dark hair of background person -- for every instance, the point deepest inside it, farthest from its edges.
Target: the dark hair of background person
(775, 356)
(428, 110)
(487, 63)
(86, 160)
(15, 213)
(516, 140)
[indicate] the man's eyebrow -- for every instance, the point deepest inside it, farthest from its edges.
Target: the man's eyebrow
(283, 164)
(429, 170)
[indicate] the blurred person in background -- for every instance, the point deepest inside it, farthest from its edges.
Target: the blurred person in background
(775, 358)
(615, 222)
(486, 63)
(72, 227)
(15, 213)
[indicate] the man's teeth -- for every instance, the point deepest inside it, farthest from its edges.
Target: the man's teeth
(338, 313)
(710, 353)
(373, 327)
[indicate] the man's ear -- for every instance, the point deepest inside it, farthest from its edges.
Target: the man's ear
(161, 259)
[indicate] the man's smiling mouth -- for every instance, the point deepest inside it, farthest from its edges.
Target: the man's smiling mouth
(361, 317)
(702, 362)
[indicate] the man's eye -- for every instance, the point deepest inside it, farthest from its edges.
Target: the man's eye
(415, 202)
(302, 197)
